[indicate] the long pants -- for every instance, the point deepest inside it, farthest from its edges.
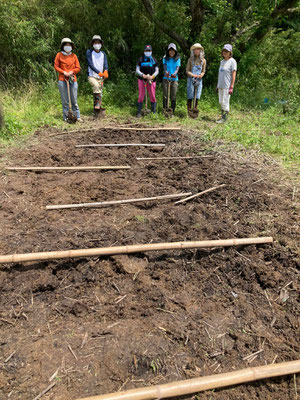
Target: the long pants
(62, 86)
(95, 83)
(173, 90)
(191, 88)
(224, 99)
(151, 90)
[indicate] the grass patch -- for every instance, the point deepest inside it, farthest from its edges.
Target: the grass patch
(265, 128)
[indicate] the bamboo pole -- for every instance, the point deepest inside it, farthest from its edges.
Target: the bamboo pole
(195, 385)
(172, 158)
(79, 168)
(200, 194)
(113, 202)
(136, 248)
(142, 129)
(121, 145)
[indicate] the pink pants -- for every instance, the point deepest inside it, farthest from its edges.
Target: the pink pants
(151, 90)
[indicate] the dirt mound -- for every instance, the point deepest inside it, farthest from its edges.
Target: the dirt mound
(104, 324)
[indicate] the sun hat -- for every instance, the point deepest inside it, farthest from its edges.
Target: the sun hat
(96, 37)
(66, 40)
(196, 46)
(172, 46)
(227, 47)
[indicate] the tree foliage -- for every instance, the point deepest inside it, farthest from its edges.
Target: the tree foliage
(30, 35)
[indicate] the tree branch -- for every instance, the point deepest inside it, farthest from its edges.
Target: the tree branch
(165, 28)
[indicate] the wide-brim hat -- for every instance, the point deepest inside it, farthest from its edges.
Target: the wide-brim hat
(96, 37)
(196, 46)
(66, 40)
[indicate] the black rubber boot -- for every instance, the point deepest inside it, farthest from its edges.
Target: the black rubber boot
(173, 105)
(139, 110)
(164, 103)
(189, 104)
(153, 107)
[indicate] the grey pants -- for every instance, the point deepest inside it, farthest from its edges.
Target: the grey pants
(62, 86)
(173, 92)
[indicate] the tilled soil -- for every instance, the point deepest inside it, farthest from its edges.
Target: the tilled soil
(98, 325)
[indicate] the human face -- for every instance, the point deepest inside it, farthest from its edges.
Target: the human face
(171, 53)
(197, 52)
(226, 54)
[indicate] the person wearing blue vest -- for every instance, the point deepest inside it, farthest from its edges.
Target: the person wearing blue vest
(195, 71)
(146, 70)
(171, 63)
(97, 69)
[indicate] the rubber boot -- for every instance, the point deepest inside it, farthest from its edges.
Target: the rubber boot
(153, 107)
(223, 117)
(173, 105)
(189, 104)
(164, 103)
(96, 101)
(139, 110)
(196, 105)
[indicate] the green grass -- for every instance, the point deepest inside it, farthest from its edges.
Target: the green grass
(268, 130)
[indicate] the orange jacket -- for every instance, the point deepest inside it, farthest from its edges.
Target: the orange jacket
(67, 63)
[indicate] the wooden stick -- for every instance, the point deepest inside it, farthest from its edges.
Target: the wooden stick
(189, 386)
(142, 129)
(121, 145)
(172, 158)
(136, 248)
(109, 203)
(79, 168)
(199, 194)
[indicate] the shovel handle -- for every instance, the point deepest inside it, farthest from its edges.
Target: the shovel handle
(69, 96)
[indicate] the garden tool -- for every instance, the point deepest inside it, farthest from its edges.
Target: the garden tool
(99, 111)
(146, 111)
(71, 116)
(168, 111)
(194, 112)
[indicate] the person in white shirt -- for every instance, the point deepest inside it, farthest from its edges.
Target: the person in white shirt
(97, 69)
(226, 79)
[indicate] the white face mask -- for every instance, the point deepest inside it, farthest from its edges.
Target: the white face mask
(148, 53)
(97, 47)
(68, 49)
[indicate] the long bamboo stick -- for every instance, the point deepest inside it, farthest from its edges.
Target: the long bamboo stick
(121, 145)
(172, 158)
(200, 194)
(136, 248)
(195, 385)
(79, 168)
(141, 129)
(113, 202)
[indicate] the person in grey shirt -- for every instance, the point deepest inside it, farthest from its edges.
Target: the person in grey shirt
(226, 79)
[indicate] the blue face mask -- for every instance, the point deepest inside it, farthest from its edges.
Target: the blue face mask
(148, 53)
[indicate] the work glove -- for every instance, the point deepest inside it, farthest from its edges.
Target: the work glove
(167, 75)
(173, 76)
(105, 74)
(230, 91)
(101, 74)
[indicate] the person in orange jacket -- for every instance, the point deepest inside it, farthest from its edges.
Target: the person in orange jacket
(97, 69)
(67, 65)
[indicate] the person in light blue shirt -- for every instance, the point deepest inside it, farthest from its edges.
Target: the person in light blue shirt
(171, 62)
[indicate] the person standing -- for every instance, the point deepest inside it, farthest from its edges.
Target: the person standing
(195, 70)
(171, 63)
(226, 80)
(147, 71)
(97, 69)
(67, 65)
